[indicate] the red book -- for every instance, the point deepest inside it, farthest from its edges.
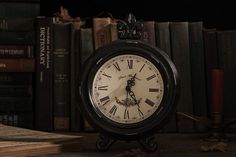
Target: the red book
(17, 65)
(217, 88)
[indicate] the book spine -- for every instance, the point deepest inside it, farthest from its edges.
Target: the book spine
(163, 37)
(86, 50)
(20, 120)
(43, 87)
(75, 116)
(113, 30)
(16, 78)
(226, 41)
(148, 33)
(16, 38)
(181, 58)
(20, 9)
(197, 60)
(86, 44)
(211, 59)
(17, 24)
(61, 57)
(16, 90)
(17, 65)
(101, 31)
(16, 104)
(16, 51)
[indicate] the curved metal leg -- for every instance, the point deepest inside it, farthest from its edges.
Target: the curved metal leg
(104, 143)
(149, 144)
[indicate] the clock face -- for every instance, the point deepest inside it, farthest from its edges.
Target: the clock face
(127, 89)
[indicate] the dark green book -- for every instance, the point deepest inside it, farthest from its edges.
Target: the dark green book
(19, 9)
(25, 120)
(198, 77)
(17, 38)
(227, 61)
(75, 116)
(181, 57)
(61, 75)
(17, 24)
(163, 37)
(163, 42)
(86, 50)
(16, 90)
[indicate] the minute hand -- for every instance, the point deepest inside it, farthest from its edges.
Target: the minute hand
(132, 95)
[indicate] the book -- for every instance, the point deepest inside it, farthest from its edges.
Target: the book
(16, 90)
(163, 37)
(12, 105)
(17, 141)
(16, 78)
(198, 82)
(16, 51)
(86, 50)
(75, 116)
(43, 75)
(113, 30)
(211, 59)
(21, 9)
(24, 120)
(101, 31)
(226, 41)
(17, 24)
(181, 57)
(148, 33)
(61, 75)
(17, 38)
(86, 45)
(17, 65)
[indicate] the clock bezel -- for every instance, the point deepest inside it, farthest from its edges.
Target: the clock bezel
(133, 130)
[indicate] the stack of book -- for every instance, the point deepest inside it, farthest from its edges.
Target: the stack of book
(17, 63)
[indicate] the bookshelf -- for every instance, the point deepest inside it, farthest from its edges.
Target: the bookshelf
(217, 14)
(219, 17)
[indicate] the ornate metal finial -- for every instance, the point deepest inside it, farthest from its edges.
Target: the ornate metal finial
(130, 28)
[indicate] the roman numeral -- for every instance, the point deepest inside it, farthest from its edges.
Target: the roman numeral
(116, 66)
(130, 64)
(126, 114)
(105, 99)
(142, 67)
(113, 110)
(102, 88)
(149, 102)
(153, 90)
(108, 76)
(151, 77)
(140, 112)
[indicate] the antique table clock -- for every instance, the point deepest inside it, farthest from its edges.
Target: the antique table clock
(128, 89)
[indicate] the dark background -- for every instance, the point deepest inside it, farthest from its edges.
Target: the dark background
(214, 14)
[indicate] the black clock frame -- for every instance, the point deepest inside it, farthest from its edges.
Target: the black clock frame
(150, 125)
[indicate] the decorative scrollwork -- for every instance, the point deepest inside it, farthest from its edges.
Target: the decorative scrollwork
(130, 28)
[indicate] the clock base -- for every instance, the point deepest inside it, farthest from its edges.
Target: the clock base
(104, 143)
(149, 144)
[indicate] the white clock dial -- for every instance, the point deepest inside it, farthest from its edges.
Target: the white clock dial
(127, 89)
